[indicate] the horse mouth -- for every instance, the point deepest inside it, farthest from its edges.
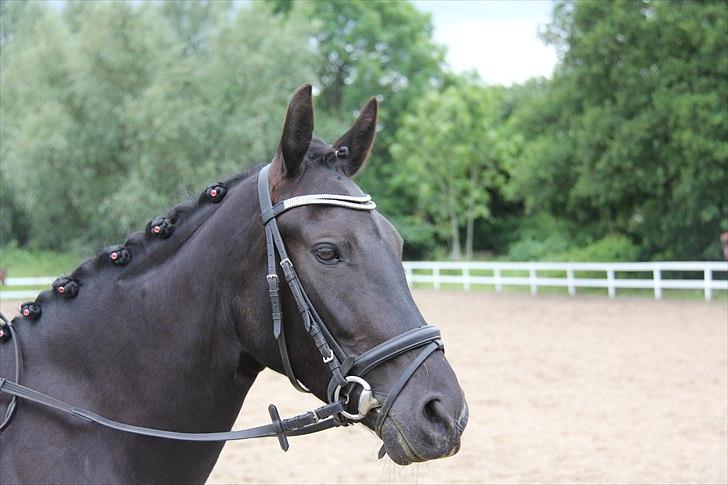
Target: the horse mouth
(401, 450)
(395, 444)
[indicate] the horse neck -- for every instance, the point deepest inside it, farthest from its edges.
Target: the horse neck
(164, 344)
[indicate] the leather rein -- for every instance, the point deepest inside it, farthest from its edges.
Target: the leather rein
(346, 371)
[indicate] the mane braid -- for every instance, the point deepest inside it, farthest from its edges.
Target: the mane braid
(320, 153)
(141, 246)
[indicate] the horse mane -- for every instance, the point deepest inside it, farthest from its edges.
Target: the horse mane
(146, 250)
(143, 246)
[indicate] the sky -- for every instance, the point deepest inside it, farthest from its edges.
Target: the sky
(497, 38)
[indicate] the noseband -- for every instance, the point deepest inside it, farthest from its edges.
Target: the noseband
(347, 371)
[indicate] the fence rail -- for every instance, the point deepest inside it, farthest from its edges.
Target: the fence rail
(469, 274)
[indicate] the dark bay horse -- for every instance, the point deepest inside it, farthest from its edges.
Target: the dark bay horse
(175, 336)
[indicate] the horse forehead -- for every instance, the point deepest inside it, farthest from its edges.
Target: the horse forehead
(320, 180)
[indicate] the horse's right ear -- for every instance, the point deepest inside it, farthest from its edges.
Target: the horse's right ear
(297, 132)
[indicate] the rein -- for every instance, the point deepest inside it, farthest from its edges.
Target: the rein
(346, 371)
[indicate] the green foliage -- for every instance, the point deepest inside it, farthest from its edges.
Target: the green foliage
(451, 147)
(19, 262)
(630, 136)
(610, 248)
(138, 105)
(374, 48)
(113, 111)
(539, 238)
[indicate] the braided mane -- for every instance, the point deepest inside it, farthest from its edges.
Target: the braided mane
(142, 250)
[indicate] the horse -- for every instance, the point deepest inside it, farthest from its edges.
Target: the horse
(169, 330)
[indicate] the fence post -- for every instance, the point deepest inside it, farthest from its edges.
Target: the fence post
(610, 283)
(708, 284)
(497, 277)
(436, 277)
(657, 277)
(466, 277)
(532, 280)
(408, 275)
(570, 281)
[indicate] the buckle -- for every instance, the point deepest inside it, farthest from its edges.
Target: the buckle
(288, 271)
(366, 399)
(330, 357)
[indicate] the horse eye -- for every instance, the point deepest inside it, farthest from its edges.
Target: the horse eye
(327, 254)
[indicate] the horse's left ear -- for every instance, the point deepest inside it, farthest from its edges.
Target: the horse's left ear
(359, 140)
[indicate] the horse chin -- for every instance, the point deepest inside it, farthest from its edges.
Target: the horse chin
(403, 451)
(396, 445)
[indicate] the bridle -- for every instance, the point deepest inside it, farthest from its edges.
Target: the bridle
(347, 371)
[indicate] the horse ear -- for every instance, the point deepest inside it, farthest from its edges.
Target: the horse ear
(359, 139)
(297, 132)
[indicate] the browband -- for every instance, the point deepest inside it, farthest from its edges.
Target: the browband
(364, 202)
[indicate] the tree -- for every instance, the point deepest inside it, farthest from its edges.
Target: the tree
(111, 112)
(630, 135)
(373, 48)
(453, 146)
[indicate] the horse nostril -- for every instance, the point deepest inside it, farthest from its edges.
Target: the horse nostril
(436, 414)
(430, 409)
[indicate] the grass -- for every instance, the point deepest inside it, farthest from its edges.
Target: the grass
(19, 262)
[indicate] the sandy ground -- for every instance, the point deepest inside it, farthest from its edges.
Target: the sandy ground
(560, 390)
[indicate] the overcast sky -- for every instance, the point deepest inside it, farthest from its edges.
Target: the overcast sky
(499, 39)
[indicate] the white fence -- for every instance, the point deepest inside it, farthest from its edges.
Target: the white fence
(42, 281)
(499, 275)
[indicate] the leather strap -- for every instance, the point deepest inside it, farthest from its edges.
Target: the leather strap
(313, 324)
(13, 406)
(402, 381)
(348, 201)
(273, 282)
(400, 344)
(310, 422)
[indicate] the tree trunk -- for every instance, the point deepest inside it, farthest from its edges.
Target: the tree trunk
(470, 216)
(455, 252)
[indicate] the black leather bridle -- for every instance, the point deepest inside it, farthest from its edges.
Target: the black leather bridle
(346, 371)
